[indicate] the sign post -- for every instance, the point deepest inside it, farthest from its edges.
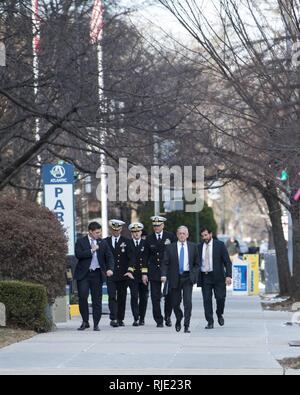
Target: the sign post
(59, 197)
(240, 270)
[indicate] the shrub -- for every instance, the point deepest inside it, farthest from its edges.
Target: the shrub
(25, 305)
(33, 246)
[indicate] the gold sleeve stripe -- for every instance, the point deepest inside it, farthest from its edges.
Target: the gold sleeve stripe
(145, 270)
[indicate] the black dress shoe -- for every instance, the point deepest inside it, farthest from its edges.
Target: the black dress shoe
(178, 326)
(221, 321)
(114, 324)
(160, 325)
(136, 323)
(186, 329)
(168, 322)
(96, 328)
(141, 323)
(84, 326)
(121, 323)
(210, 326)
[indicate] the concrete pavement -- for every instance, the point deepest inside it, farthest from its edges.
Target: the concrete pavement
(250, 343)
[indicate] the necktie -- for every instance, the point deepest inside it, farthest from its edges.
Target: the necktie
(136, 243)
(159, 238)
(181, 259)
(116, 242)
(94, 263)
(207, 260)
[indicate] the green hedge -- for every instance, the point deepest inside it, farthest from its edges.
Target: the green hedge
(26, 305)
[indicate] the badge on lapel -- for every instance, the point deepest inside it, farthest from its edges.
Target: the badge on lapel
(168, 242)
(123, 246)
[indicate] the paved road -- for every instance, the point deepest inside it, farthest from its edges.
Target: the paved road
(250, 343)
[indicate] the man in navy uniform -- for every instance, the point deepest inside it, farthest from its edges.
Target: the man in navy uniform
(95, 261)
(157, 243)
(118, 283)
(140, 270)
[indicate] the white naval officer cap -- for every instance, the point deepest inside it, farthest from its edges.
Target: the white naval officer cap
(136, 227)
(157, 220)
(116, 224)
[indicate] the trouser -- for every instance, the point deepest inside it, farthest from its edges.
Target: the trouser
(156, 298)
(134, 298)
(143, 291)
(92, 282)
(208, 288)
(185, 291)
(117, 291)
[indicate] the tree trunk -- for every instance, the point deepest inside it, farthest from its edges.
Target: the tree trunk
(284, 273)
(295, 212)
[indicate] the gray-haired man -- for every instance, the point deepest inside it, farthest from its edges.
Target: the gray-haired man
(181, 267)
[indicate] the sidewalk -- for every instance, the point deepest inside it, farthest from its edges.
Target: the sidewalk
(250, 343)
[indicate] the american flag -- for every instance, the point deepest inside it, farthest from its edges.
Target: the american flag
(97, 21)
(36, 25)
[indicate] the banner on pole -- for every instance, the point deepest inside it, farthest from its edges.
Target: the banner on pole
(59, 197)
(253, 260)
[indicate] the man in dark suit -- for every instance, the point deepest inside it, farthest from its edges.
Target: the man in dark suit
(117, 285)
(181, 269)
(215, 275)
(157, 243)
(95, 261)
(140, 270)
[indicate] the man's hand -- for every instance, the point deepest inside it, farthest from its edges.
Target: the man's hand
(95, 248)
(228, 281)
(109, 273)
(129, 275)
(145, 280)
(164, 279)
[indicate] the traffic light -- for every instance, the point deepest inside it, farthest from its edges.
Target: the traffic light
(284, 176)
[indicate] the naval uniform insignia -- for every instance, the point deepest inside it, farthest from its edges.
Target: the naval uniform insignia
(123, 246)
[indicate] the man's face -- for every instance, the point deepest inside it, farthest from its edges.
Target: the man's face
(137, 235)
(95, 234)
(182, 235)
(116, 233)
(206, 236)
(159, 228)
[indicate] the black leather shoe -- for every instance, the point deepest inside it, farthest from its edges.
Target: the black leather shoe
(84, 326)
(221, 321)
(178, 326)
(141, 323)
(96, 328)
(121, 323)
(168, 322)
(136, 323)
(210, 326)
(186, 329)
(160, 325)
(114, 324)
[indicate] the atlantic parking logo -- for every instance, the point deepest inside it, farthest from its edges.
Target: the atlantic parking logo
(58, 172)
(2, 55)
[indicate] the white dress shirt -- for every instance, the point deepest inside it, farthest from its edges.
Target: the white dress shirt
(115, 241)
(210, 245)
(94, 263)
(186, 266)
(159, 234)
(137, 242)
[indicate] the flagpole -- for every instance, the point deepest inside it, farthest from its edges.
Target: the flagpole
(35, 46)
(96, 37)
(103, 174)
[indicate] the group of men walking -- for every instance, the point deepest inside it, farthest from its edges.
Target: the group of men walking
(171, 265)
